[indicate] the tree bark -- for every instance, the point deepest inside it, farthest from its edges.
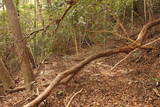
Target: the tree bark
(31, 58)
(20, 48)
(5, 77)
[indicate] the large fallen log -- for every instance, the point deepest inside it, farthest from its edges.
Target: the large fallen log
(75, 69)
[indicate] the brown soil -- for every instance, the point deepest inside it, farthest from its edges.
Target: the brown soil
(134, 83)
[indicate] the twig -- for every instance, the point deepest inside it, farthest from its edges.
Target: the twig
(2, 96)
(19, 88)
(156, 92)
(72, 97)
(132, 52)
(20, 103)
(123, 59)
(149, 43)
(16, 89)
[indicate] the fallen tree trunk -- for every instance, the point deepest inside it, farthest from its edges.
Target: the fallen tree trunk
(75, 69)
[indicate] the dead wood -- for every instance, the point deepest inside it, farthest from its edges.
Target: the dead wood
(21, 102)
(75, 69)
(72, 97)
(19, 88)
(156, 92)
(133, 52)
(15, 89)
(123, 59)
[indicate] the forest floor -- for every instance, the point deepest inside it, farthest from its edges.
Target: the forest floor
(134, 83)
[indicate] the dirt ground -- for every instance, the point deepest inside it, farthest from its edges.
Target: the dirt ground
(133, 83)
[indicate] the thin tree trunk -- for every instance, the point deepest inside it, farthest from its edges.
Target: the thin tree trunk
(39, 7)
(150, 10)
(49, 4)
(20, 48)
(31, 58)
(5, 77)
(35, 27)
(145, 11)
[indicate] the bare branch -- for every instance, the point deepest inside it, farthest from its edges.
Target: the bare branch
(57, 22)
(128, 55)
(132, 53)
(72, 97)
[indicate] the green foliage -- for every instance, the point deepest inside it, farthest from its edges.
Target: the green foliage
(83, 18)
(26, 15)
(27, 6)
(86, 15)
(41, 46)
(2, 21)
(118, 6)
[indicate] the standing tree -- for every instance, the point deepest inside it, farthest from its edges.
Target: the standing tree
(21, 48)
(5, 77)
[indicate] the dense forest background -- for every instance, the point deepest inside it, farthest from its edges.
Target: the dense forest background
(33, 32)
(87, 23)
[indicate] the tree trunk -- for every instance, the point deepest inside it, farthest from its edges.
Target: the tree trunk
(39, 7)
(21, 48)
(5, 77)
(31, 58)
